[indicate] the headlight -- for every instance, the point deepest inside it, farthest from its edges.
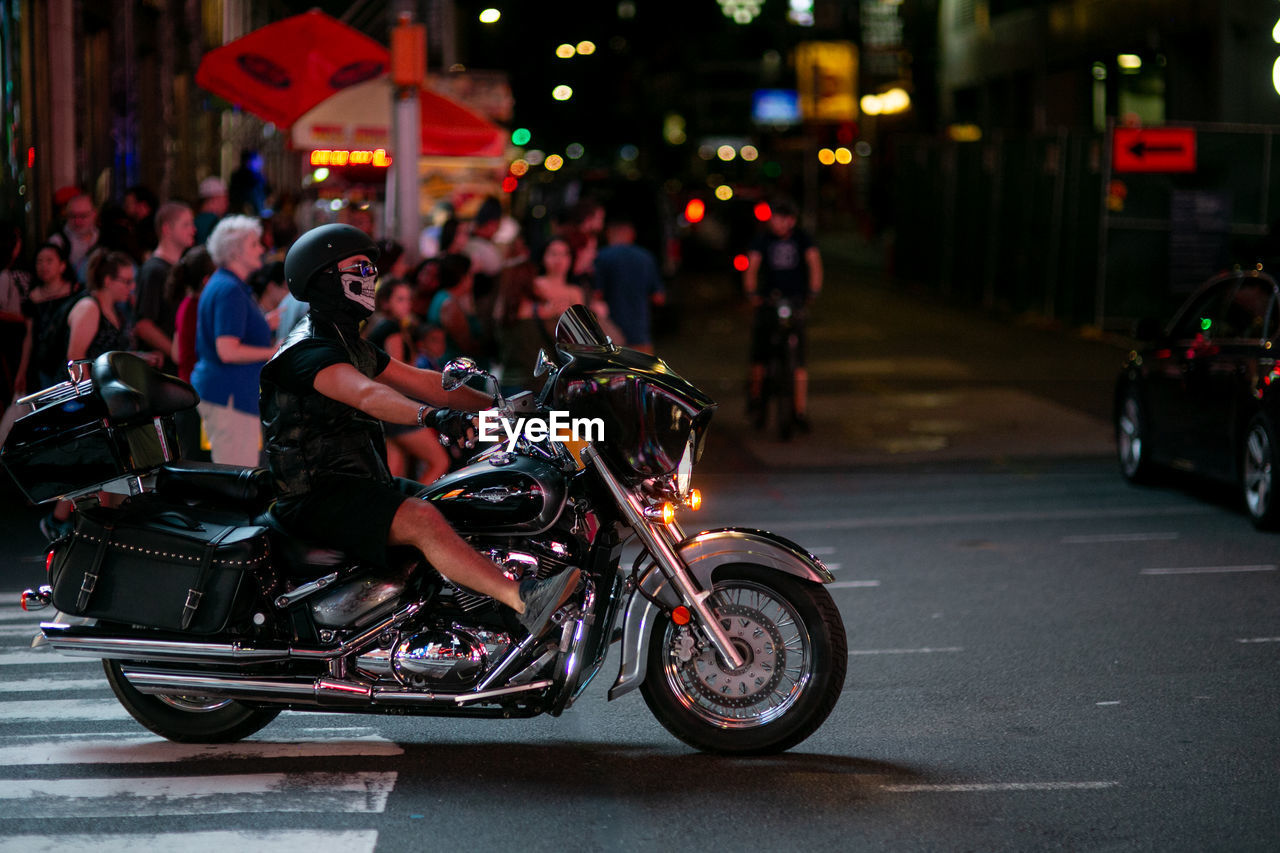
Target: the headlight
(684, 471)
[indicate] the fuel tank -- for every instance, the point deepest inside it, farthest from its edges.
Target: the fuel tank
(501, 494)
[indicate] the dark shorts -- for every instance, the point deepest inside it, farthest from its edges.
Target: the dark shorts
(349, 514)
(766, 317)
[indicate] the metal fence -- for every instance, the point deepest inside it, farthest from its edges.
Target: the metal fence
(1042, 224)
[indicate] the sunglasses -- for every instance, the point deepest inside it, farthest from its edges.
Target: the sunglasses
(364, 269)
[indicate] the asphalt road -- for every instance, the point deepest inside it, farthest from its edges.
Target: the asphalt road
(1042, 657)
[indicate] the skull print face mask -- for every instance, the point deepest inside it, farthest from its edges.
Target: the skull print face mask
(358, 283)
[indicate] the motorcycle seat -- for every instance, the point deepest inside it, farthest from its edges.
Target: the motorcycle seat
(132, 389)
(243, 488)
(298, 558)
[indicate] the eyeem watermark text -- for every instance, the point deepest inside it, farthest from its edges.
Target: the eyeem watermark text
(557, 426)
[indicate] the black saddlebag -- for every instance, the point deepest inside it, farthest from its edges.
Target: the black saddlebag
(159, 565)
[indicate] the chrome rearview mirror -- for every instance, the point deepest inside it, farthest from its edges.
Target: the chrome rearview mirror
(458, 371)
(543, 365)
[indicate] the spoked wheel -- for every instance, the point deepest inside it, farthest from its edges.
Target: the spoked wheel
(1131, 443)
(1257, 474)
(793, 641)
(187, 719)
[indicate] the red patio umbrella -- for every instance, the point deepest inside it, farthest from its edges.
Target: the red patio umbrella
(280, 71)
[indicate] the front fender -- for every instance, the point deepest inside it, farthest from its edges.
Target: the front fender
(703, 553)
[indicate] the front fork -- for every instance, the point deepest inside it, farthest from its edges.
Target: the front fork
(657, 540)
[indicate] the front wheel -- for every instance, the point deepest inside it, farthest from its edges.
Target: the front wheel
(793, 640)
(1131, 439)
(1257, 474)
(187, 719)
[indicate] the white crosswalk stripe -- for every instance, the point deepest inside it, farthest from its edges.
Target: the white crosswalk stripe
(62, 734)
(275, 840)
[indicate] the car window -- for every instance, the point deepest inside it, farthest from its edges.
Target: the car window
(1246, 312)
(1198, 319)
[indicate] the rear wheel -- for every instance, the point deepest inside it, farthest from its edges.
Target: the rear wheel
(1257, 474)
(793, 640)
(187, 719)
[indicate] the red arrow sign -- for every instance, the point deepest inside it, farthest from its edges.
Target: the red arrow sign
(1153, 149)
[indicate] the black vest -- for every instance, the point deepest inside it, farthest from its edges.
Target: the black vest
(309, 435)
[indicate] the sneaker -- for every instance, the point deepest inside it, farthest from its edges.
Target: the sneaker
(53, 529)
(543, 597)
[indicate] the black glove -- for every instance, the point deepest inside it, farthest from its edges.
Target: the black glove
(455, 427)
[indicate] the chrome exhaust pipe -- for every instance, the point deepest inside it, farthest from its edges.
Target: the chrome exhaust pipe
(88, 641)
(320, 692)
(255, 689)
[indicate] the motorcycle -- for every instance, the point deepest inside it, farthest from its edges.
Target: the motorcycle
(210, 620)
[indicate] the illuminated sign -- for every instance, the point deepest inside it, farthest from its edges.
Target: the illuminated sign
(340, 157)
(1153, 149)
(827, 80)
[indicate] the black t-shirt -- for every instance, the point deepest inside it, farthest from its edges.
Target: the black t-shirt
(151, 302)
(295, 369)
(783, 265)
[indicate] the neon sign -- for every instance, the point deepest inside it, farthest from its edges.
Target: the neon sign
(340, 157)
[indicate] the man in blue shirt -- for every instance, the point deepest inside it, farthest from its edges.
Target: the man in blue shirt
(627, 276)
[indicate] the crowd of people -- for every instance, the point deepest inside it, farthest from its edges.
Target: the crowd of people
(199, 292)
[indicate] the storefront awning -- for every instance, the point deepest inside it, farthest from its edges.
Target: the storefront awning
(359, 118)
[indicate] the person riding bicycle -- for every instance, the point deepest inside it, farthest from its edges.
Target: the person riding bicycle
(783, 263)
(323, 397)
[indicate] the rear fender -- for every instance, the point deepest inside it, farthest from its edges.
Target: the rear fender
(703, 554)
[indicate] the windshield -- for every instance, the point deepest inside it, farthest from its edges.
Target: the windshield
(578, 325)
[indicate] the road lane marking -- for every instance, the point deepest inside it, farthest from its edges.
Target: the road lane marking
(215, 841)
(1208, 570)
(1259, 640)
(851, 584)
(149, 749)
(58, 710)
(984, 787)
(1102, 538)
(359, 792)
(41, 685)
(924, 651)
(44, 656)
(987, 518)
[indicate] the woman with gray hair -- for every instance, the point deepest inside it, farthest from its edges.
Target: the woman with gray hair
(233, 341)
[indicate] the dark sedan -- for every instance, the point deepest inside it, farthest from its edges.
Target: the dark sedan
(1201, 394)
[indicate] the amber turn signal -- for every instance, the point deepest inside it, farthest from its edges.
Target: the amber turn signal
(693, 500)
(664, 512)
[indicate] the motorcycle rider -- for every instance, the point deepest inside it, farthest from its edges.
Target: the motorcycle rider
(785, 261)
(323, 395)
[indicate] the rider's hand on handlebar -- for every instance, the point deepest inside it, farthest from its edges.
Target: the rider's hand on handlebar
(455, 427)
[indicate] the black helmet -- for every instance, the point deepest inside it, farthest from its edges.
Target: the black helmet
(321, 248)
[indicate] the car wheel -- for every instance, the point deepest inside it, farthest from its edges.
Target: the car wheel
(1257, 473)
(1131, 439)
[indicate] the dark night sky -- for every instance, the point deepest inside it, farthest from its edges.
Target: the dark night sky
(683, 57)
